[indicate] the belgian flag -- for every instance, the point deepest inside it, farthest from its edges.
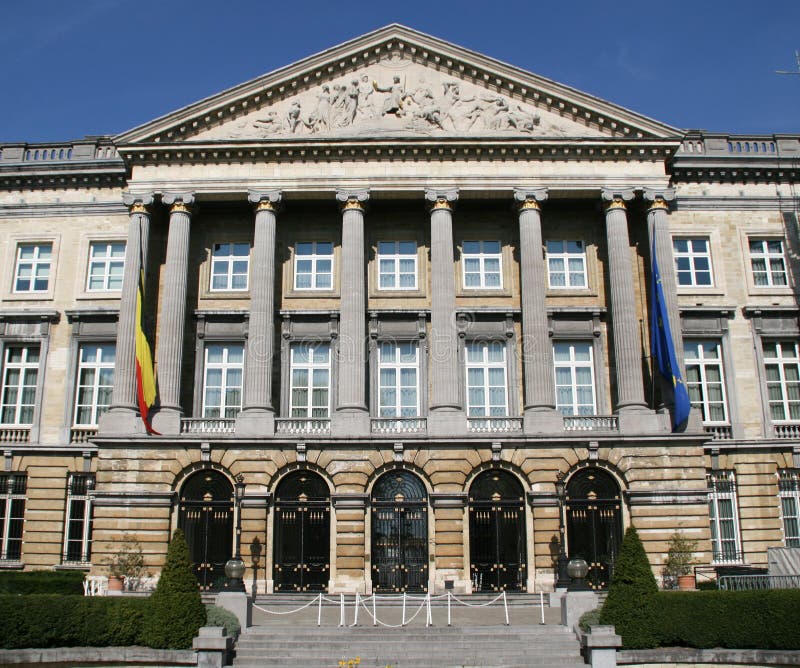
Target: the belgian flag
(146, 390)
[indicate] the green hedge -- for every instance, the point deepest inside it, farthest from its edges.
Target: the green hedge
(42, 582)
(51, 620)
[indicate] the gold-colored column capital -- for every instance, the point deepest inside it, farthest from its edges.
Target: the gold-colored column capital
(441, 199)
(265, 201)
(353, 200)
(659, 199)
(178, 202)
(530, 199)
(138, 203)
(616, 199)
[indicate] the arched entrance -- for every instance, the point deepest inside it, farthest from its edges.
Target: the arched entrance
(497, 549)
(399, 533)
(302, 533)
(205, 515)
(594, 522)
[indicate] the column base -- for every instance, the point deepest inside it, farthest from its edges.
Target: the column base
(536, 421)
(638, 419)
(255, 422)
(447, 422)
(167, 421)
(118, 421)
(349, 422)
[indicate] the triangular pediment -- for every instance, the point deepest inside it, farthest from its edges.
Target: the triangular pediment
(396, 82)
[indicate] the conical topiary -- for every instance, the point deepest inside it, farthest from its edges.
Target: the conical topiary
(630, 606)
(176, 611)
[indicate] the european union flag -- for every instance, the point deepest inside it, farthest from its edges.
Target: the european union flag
(663, 347)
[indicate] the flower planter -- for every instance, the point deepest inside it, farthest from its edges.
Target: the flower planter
(686, 582)
(115, 583)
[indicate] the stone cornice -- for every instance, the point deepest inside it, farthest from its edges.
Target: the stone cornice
(37, 210)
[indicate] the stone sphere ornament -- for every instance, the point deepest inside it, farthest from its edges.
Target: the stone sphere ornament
(577, 569)
(234, 569)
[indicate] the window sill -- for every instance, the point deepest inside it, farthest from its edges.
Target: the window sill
(28, 297)
(75, 566)
(11, 565)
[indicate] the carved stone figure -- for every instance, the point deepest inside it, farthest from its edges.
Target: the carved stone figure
(269, 123)
(366, 106)
(318, 120)
(393, 104)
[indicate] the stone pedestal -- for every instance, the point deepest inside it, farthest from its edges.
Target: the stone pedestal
(447, 422)
(350, 423)
(239, 603)
(574, 604)
(601, 644)
(213, 647)
(256, 423)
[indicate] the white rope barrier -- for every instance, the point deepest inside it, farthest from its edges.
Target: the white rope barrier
(289, 612)
(361, 601)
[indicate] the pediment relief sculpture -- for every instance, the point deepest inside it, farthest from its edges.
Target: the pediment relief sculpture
(397, 97)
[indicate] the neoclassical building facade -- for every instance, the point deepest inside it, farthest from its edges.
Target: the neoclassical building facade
(398, 295)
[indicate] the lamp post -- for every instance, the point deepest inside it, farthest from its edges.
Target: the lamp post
(234, 568)
(561, 494)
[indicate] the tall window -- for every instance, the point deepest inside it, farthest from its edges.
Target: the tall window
(95, 382)
(78, 523)
(482, 262)
(397, 265)
(310, 383)
(230, 266)
(693, 262)
(789, 491)
(12, 514)
(398, 374)
(723, 512)
(574, 369)
(705, 380)
(32, 271)
(106, 264)
(20, 375)
(486, 379)
(782, 366)
(222, 387)
(566, 264)
(768, 262)
(313, 265)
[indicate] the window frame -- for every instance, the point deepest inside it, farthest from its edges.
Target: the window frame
(565, 257)
(719, 555)
(230, 258)
(398, 367)
(487, 365)
(395, 257)
(482, 256)
(767, 257)
(693, 256)
(703, 363)
(23, 367)
(309, 387)
(782, 362)
(95, 406)
(789, 490)
(225, 366)
(84, 522)
(573, 365)
(35, 262)
(106, 262)
(314, 258)
(9, 494)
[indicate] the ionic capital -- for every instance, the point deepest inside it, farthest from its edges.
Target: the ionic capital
(441, 199)
(529, 199)
(265, 201)
(352, 199)
(137, 202)
(659, 198)
(178, 202)
(615, 199)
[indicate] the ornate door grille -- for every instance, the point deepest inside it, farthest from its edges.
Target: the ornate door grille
(498, 553)
(594, 523)
(302, 534)
(399, 534)
(206, 517)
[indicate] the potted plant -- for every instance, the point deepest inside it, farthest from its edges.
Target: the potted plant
(680, 560)
(126, 566)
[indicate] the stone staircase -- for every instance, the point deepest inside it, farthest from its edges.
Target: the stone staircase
(477, 637)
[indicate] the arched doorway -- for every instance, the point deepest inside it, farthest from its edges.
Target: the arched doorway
(498, 554)
(399, 533)
(205, 515)
(594, 522)
(302, 533)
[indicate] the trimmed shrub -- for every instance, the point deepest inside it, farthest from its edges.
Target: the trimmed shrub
(631, 596)
(176, 611)
(42, 582)
(590, 618)
(52, 620)
(216, 616)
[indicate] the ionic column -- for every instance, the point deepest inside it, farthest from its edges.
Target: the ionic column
(352, 415)
(537, 347)
(122, 415)
(446, 413)
(624, 320)
(257, 417)
(169, 356)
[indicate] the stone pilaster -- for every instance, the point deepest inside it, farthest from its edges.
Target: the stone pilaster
(446, 412)
(122, 417)
(624, 320)
(257, 417)
(352, 416)
(452, 563)
(352, 565)
(540, 415)
(169, 355)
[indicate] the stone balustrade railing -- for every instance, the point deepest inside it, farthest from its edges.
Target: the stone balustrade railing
(306, 426)
(90, 149)
(591, 423)
(491, 425)
(401, 425)
(751, 146)
(14, 434)
(719, 432)
(787, 431)
(207, 425)
(80, 434)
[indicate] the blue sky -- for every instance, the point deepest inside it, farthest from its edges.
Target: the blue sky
(71, 68)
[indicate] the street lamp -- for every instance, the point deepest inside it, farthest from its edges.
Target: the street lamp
(563, 580)
(234, 568)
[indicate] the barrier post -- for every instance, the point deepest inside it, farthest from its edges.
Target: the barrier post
(319, 611)
(448, 608)
(505, 606)
(341, 610)
(374, 612)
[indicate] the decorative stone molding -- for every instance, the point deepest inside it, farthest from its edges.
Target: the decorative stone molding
(349, 501)
(448, 499)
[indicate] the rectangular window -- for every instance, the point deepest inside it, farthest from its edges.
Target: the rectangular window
(705, 380)
(398, 373)
(106, 264)
(768, 263)
(723, 512)
(789, 492)
(313, 265)
(95, 382)
(78, 522)
(574, 369)
(222, 385)
(693, 262)
(566, 264)
(486, 379)
(482, 262)
(397, 265)
(230, 266)
(20, 376)
(32, 271)
(782, 367)
(12, 514)
(310, 383)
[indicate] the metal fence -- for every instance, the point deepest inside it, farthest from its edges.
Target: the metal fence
(749, 582)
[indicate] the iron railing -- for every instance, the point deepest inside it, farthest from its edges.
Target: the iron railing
(746, 582)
